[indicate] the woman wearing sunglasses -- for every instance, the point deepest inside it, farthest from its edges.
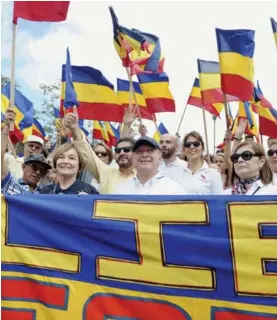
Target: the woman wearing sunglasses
(198, 178)
(251, 174)
(103, 152)
(272, 159)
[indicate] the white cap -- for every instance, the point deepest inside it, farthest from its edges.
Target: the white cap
(33, 138)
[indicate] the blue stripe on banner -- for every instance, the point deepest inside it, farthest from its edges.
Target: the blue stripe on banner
(155, 77)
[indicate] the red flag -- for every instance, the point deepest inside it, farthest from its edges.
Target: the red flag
(54, 11)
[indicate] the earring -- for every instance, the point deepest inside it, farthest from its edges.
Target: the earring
(260, 168)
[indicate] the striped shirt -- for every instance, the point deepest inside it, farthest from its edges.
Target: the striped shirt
(10, 185)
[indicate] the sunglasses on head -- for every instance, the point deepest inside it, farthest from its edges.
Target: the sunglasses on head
(196, 144)
(37, 167)
(102, 154)
(125, 150)
(246, 156)
(271, 152)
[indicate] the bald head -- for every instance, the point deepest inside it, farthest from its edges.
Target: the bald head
(169, 145)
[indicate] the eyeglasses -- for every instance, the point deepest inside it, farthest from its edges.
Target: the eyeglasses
(125, 150)
(271, 152)
(36, 167)
(246, 156)
(196, 144)
(102, 154)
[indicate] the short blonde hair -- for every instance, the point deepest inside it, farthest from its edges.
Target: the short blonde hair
(65, 147)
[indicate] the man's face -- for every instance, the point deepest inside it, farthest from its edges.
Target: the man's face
(123, 155)
(142, 130)
(33, 172)
(168, 145)
(32, 147)
(146, 158)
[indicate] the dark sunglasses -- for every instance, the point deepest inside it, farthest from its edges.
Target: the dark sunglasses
(125, 150)
(271, 152)
(246, 156)
(102, 154)
(36, 167)
(196, 144)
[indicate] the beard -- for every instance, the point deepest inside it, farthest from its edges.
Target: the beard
(125, 165)
(167, 153)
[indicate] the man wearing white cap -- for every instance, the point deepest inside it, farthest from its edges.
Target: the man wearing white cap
(32, 145)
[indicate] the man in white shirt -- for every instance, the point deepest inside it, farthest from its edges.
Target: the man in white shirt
(171, 166)
(148, 181)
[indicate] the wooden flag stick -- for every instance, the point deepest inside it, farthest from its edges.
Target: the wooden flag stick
(214, 118)
(134, 94)
(206, 136)
(177, 133)
(11, 147)
(155, 122)
(12, 84)
(226, 113)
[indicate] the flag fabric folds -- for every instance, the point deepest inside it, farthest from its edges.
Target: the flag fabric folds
(100, 132)
(57, 118)
(38, 129)
(245, 111)
(96, 96)
(274, 29)
(236, 50)
(123, 91)
(113, 134)
(23, 107)
(70, 99)
(53, 11)
(195, 99)
(138, 50)
(155, 89)
(161, 130)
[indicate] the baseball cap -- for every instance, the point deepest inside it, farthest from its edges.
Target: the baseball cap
(39, 158)
(33, 138)
(145, 141)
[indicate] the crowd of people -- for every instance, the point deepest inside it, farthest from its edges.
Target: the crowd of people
(141, 166)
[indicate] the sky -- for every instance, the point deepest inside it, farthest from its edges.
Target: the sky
(186, 31)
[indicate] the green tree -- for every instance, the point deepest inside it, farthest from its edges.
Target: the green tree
(5, 80)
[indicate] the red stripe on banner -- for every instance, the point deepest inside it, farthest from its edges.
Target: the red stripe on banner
(160, 105)
(197, 102)
(267, 128)
(237, 86)
(229, 315)
(30, 290)
(99, 111)
(212, 96)
(16, 315)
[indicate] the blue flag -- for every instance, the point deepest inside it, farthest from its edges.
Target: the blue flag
(70, 99)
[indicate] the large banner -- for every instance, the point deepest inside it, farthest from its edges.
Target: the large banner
(152, 258)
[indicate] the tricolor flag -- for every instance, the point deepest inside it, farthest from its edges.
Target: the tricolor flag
(38, 129)
(161, 130)
(195, 99)
(123, 91)
(100, 132)
(155, 89)
(52, 11)
(57, 118)
(245, 111)
(236, 50)
(138, 50)
(113, 134)
(23, 107)
(70, 99)
(96, 96)
(274, 29)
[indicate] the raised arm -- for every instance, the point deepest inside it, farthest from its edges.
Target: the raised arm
(129, 117)
(9, 118)
(240, 130)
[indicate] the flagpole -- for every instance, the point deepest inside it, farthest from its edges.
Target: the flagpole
(12, 83)
(226, 113)
(134, 94)
(155, 122)
(206, 135)
(177, 133)
(214, 118)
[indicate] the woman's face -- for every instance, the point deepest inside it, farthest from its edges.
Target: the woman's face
(68, 163)
(193, 148)
(220, 162)
(102, 154)
(272, 157)
(247, 168)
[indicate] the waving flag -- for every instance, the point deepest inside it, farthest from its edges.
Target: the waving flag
(161, 130)
(23, 107)
(57, 118)
(195, 99)
(236, 50)
(53, 11)
(274, 29)
(113, 134)
(155, 89)
(123, 91)
(38, 129)
(245, 111)
(70, 99)
(96, 96)
(100, 132)
(138, 50)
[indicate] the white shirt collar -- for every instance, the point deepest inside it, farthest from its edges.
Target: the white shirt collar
(149, 182)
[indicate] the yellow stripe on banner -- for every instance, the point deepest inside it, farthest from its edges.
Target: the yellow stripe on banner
(234, 63)
(156, 90)
(124, 98)
(218, 106)
(92, 93)
(209, 81)
(264, 112)
(195, 92)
